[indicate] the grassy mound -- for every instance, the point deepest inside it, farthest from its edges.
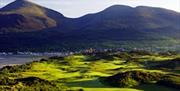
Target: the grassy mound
(28, 84)
(132, 78)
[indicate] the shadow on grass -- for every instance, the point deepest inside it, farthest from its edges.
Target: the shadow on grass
(153, 87)
(166, 64)
(95, 83)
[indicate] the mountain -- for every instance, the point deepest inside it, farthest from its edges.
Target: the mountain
(25, 16)
(140, 19)
(115, 27)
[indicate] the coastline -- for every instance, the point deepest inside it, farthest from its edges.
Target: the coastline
(11, 60)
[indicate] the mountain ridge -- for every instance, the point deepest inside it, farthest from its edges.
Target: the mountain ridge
(115, 27)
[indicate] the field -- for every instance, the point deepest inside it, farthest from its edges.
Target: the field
(86, 71)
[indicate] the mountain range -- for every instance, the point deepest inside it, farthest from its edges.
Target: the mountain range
(26, 26)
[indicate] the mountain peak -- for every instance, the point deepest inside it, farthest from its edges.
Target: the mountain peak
(29, 16)
(22, 0)
(17, 4)
(119, 6)
(118, 9)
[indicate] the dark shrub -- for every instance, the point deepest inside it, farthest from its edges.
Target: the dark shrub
(57, 57)
(33, 80)
(43, 60)
(4, 80)
(16, 68)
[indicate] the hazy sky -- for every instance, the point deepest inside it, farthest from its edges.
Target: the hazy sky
(77, 8)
